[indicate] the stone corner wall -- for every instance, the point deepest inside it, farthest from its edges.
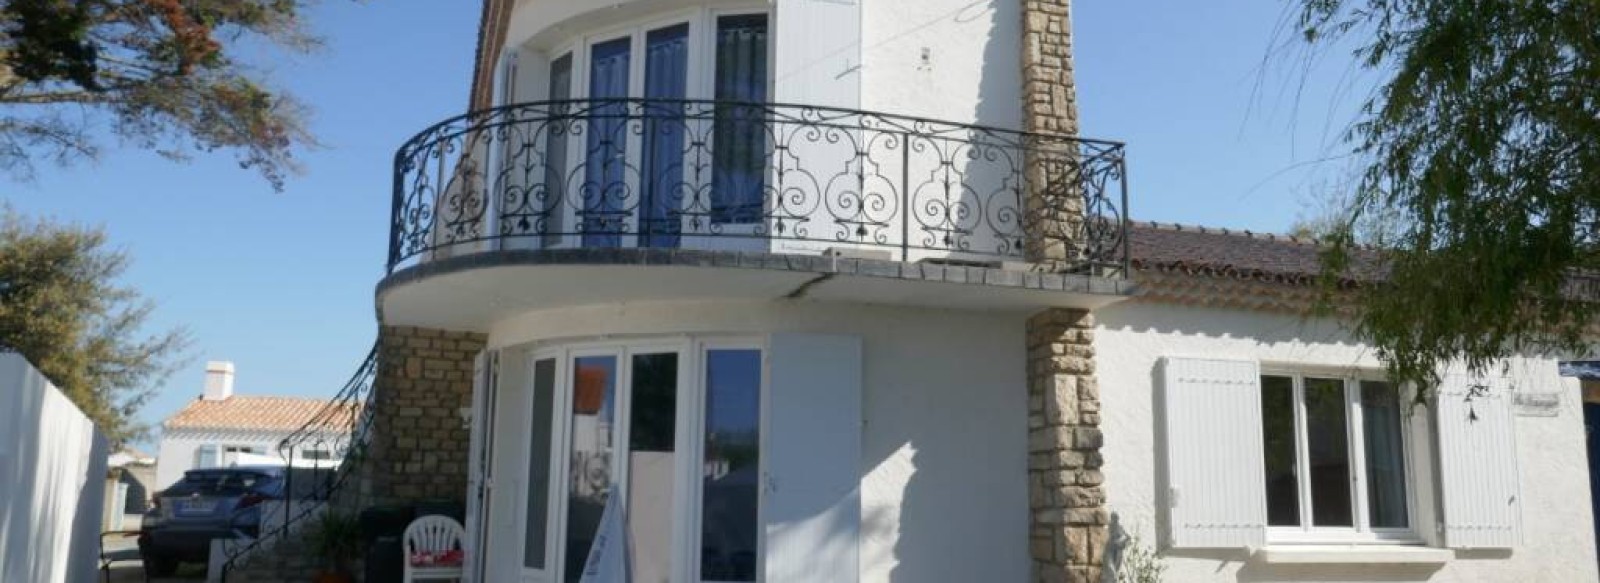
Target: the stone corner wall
(1053, 202)
(1066, 496)
(418, 449)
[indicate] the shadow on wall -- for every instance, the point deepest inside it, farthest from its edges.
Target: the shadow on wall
(951, 472)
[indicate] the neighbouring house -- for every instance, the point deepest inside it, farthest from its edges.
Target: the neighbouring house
(832, 291)
(52, 480)
(221, 429)
(130, 482)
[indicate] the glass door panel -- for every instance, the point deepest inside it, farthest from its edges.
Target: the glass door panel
(652, 462)
(604, 192)
(739, 139)
(731, 466)
(536, 517)
(594, 405)
(553, 199)
(666, 78)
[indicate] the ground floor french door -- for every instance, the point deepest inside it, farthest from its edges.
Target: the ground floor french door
(669, 435)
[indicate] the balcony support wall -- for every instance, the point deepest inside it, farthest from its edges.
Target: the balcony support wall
(418, 445)
(1066, 496)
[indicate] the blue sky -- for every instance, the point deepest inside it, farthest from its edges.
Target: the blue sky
(1222, 129)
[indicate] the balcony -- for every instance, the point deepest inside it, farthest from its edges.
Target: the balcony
(743, 183)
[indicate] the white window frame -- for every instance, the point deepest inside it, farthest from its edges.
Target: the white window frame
(1362, 532)
(688, 444)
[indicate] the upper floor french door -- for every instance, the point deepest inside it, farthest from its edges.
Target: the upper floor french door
(636, 164)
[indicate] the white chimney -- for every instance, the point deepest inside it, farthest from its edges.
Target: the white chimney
(219, 380)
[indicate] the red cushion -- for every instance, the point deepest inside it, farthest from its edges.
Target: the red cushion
(450, 558)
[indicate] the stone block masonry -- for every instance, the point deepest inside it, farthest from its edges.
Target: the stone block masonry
(1053, 216)
(1066, 496)
(419, 447)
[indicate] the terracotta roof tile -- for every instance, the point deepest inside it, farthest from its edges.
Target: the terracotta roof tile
(1235, 254)
(260, 413)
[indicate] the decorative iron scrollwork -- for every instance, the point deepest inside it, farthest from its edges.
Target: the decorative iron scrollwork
(687, 173)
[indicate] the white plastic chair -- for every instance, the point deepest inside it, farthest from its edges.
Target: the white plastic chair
(432, 534)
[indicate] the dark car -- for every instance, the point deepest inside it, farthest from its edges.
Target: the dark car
(214, 503)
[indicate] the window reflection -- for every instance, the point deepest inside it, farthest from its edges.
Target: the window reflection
(731, 470)
(594, 380)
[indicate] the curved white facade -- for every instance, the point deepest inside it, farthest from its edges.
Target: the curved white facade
(942, 462)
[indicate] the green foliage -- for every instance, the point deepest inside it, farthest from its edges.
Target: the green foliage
(162, 71)
(336, 537)
(62, 309)
(1483, 142)
(1136, 563)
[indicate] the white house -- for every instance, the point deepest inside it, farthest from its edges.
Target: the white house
(831, 291)
(221, 429)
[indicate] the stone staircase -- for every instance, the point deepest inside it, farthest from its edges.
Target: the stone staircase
(291, 559)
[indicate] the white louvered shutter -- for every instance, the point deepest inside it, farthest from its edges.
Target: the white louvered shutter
(1478, 463)
(1216, 491)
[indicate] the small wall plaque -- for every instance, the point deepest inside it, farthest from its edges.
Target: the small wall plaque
(1538, 404)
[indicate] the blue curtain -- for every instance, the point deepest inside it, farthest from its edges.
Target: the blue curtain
(604, 191)
(666, 75)
(740, 157)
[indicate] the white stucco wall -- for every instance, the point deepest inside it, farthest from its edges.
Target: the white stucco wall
(52, 481)
(973, 70)
(1558, 541)
(943, 462)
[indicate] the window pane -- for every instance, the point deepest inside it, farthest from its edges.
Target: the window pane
(557, 131)
(739, 138)
(1277, 432)
(651, 434)
(544, 385)
(605, 192)
(206, 457)
(1328, 445)
(1386, 476)
(594, 401)
(666, 75)
(728, 522)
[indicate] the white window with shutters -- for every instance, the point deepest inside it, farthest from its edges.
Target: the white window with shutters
(1279, 455)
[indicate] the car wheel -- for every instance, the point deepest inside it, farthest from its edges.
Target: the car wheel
(160, 566)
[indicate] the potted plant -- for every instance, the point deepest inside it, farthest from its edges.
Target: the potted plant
(336, 537)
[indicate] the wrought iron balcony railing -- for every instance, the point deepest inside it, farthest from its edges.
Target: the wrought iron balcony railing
(754, 176)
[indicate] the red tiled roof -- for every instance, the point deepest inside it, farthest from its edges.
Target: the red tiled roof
(258, 413)
(1235, 254)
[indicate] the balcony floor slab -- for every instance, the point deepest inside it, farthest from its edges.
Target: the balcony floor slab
(472, 291)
